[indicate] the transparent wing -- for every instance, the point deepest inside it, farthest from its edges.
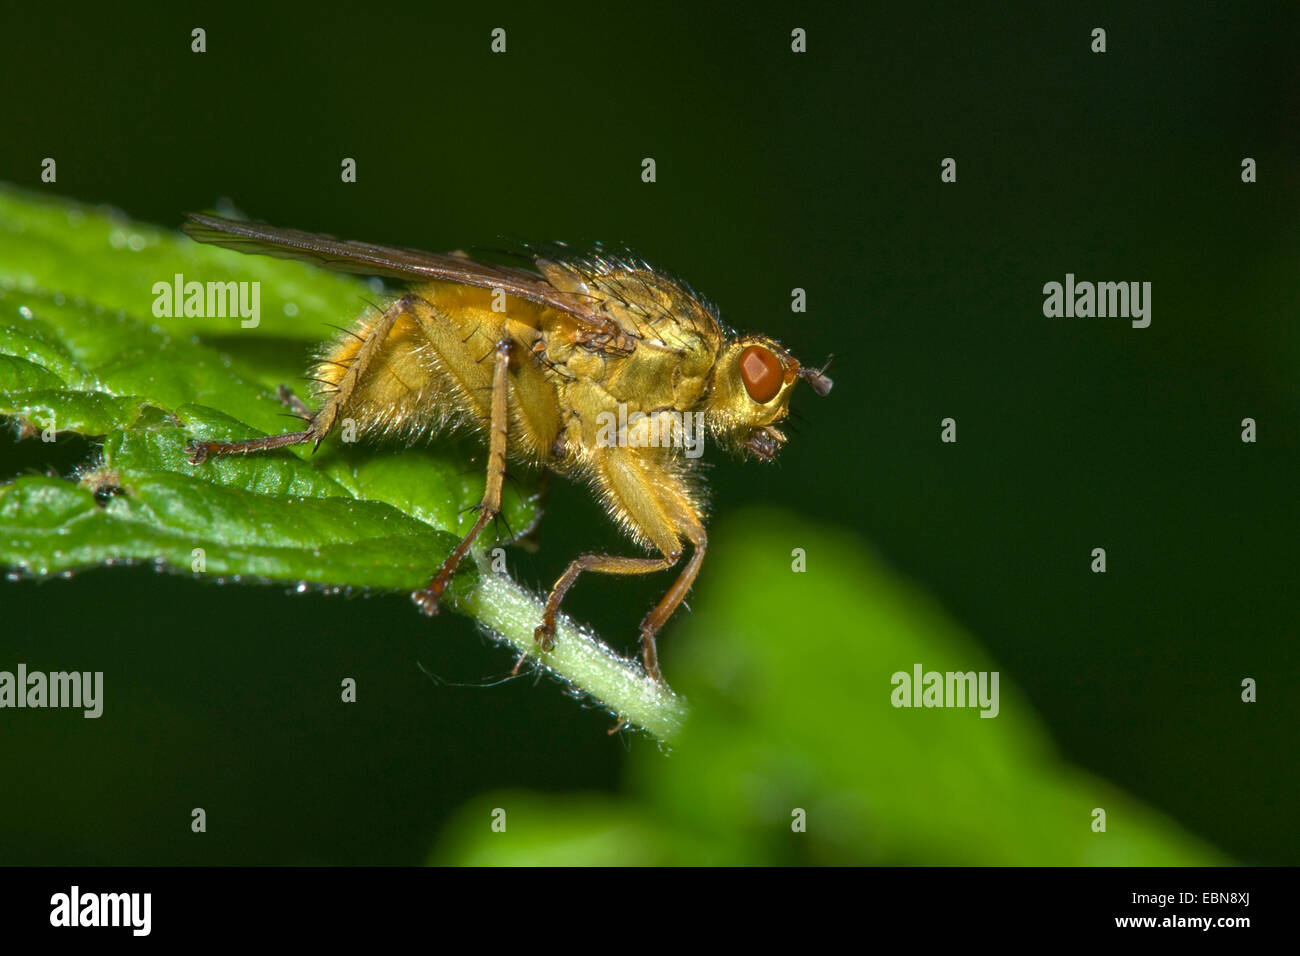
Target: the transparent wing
(391, 262)
(614, 301)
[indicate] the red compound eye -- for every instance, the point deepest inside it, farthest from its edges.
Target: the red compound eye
(762, 373)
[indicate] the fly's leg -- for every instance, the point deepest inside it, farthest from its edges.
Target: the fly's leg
(662, 510)
(292, 402)
(612, 564)
(544, 634)
(319, 423)
(201, 451)
(671, 601)
(499, 427)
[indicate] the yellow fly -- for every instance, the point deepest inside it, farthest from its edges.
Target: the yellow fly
(589, 365)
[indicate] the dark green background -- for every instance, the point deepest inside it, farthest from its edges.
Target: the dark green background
(774, 171)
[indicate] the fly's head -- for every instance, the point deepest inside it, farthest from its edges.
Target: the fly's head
(750, 396)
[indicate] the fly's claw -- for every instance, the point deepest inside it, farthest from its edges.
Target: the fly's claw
(426, 599)
(197, 451)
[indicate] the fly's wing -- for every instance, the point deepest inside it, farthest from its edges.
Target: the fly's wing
(612, 303)
(391, 262)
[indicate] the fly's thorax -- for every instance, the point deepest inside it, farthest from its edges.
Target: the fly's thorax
(597, 422)
(649, 378)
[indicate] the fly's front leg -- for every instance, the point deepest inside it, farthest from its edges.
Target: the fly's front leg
(602, 563)
(664, 511)
(499, 427)
(319, 424)
(671, 601)
(612, 564)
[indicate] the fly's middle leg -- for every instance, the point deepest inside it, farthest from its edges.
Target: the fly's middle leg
(499, 426)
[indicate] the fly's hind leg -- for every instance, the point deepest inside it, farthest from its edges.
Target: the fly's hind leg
(499, 426)
(319, 424)
(201, 451)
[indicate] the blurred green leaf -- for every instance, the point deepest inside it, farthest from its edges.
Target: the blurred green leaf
(789, 678)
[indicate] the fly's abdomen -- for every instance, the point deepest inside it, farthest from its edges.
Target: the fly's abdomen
(429, 369)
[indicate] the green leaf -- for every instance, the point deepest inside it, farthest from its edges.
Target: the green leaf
(82, 352)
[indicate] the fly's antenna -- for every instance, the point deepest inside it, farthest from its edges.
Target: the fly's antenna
(817, 378)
